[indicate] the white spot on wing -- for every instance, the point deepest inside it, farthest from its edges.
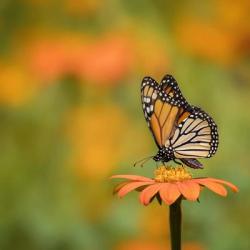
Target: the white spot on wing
(154, 96)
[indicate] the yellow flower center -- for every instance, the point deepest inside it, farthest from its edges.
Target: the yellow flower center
(171, 174)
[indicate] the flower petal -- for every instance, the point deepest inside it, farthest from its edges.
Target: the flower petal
(131, 186)
(132, 177)
(148, 193)
(189, 189)
(229, 184)
(169, 192)
(213, 186)
(119, 186)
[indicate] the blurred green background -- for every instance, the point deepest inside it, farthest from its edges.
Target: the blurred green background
(70, 116)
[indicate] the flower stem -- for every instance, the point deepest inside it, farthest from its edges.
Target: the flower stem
(175, 224)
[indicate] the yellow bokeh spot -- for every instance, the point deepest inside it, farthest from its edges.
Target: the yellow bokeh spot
(16, 87)
(96, 135)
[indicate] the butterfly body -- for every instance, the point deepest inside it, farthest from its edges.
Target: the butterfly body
(164, 154)
(181, 131)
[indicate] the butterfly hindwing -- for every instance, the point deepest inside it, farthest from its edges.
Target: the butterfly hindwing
(196, 136)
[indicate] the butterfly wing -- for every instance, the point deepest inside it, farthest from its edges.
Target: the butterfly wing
(163, 107)
(195, 137)
(170, 87)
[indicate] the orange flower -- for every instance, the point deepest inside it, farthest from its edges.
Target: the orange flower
(140, 245)
(145, 244)
(169, 184)
(106, 60)
(101, 60)
(209, 42)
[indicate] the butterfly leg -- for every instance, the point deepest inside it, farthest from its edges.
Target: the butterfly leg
(143, 161)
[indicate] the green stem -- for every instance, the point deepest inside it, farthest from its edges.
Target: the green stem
(175, 224)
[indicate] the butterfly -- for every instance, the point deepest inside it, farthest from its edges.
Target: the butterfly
(180, 130)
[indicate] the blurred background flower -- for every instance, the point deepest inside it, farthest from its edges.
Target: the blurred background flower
(96, 59)
(71, 116)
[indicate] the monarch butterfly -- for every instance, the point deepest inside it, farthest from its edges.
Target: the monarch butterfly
(180, 130)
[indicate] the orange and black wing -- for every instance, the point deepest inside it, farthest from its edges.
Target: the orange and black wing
(164, 107)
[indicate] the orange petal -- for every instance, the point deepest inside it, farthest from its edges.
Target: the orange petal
(169, 192)
(229, 184)
(148, 193)
(213, 186)
(189, 189)
(119, 186)
(131, 186)
(132, 177)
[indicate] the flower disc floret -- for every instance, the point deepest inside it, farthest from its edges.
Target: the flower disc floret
(171, 174)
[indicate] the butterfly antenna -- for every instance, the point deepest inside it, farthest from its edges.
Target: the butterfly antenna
(143, 161)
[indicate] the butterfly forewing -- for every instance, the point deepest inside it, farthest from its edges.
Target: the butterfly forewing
(149, 94)
(170, 87)
(162, 109)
